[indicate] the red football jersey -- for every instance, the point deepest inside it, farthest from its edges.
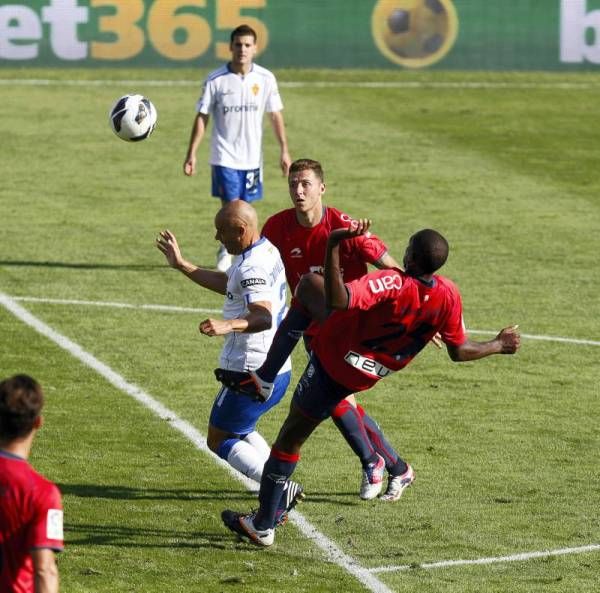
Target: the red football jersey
(303, 250)
(389, 320)
(31, 516)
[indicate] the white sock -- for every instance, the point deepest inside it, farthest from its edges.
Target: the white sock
(247, 460)
(259, 443)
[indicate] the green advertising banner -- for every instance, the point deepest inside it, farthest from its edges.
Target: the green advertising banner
(443, 34)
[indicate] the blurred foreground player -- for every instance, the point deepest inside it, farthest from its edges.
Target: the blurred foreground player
(379, 323)
(31, 516)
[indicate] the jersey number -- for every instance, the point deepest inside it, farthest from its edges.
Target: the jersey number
(252, 179)
(282, 299)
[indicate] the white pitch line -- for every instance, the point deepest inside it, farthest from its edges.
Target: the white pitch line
(169, 308)
(175, 309)
(492, 560)
(332, 552)
(407, 84)
(543, 338)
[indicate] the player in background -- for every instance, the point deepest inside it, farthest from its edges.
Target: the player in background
(237, 96)
(378, 324)
(300, 233)
(255, 301)
(31, 516)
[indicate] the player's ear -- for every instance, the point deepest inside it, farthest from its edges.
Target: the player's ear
(38, 422)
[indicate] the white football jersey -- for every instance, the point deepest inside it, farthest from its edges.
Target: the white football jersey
(236, 105)
(255, 275)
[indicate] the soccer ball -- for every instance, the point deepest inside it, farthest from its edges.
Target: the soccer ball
(415, 33)
(133, 118)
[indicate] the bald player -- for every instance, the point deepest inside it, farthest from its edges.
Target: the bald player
(255, 302)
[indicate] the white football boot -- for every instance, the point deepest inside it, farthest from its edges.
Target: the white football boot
(397, 485)
(372, 479)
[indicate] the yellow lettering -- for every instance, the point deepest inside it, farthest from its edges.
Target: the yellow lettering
(122, 24)
(229, 17)
(163, 24)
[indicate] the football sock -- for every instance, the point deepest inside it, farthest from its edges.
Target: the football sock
(242, 456)
(279, 467)
(350, 423)
(286, 337)
(394, 464)
(258, 442)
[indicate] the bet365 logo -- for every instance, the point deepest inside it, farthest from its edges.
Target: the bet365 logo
(579, 32)
(414, 33)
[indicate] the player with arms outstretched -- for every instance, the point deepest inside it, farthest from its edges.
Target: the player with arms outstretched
(255, 301)
(379, 323)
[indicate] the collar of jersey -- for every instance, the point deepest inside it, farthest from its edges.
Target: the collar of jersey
(247, 251)
(9, 455)
(243, 75)
(430, 284)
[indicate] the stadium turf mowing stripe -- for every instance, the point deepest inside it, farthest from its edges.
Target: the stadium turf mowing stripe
(332, 552)
(176, 309)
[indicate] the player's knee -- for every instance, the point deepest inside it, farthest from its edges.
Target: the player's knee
(213, 441)
(310, 284)
(310, 292)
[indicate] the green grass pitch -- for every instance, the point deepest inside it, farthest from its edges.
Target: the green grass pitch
(505, 450)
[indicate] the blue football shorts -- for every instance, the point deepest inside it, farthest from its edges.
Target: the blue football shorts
(231, 184)
(317, 394)
(238, 413)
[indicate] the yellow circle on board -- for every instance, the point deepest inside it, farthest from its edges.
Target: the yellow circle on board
(414, 33)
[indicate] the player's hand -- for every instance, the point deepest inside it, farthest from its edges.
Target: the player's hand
(167, 244)
(285, 162)
(510, 339)
(355, 229)
(189, 166)
(215, 327)
(437, 340)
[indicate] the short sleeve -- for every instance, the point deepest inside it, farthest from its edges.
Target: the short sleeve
(369, 248)
(46, 529)
(274, 102)
(204, 104)
(453, 332)
(254, 283)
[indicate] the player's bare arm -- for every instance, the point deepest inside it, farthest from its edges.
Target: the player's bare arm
(45, 570)
(167, 244)
(387, 262)
(507, 341)
(198, 129)
(279, 129)
(257, 319)
(336, 293)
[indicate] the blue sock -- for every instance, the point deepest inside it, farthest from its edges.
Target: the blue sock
(394, 464)
(286, 337)
(349, 422)
(225, 448)
(277, 470)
